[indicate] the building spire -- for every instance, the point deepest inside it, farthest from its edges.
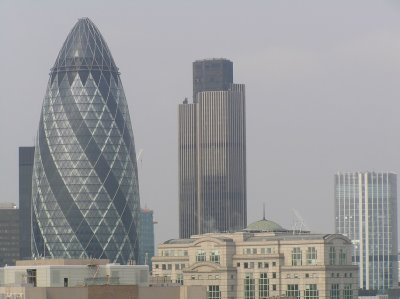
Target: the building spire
(264, 211)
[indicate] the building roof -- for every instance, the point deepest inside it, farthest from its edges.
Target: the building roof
(62, 262)
(264, 225)
(179, 241)
(8, 206)
(84, 49)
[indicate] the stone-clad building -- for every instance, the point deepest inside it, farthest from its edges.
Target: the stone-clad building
(262, 261)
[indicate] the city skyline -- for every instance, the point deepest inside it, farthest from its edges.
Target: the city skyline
(322, 79)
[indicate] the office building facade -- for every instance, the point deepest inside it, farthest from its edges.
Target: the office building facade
(212, 152)
(146, 240)
(265, 261)
(85, 193)
(9, 234)
(366, 212)
(26, 155)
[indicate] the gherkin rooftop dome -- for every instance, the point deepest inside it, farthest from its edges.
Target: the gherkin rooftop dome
(85, 192)
(264, 225)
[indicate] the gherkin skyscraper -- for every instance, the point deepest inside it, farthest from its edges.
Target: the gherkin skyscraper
(85, 193)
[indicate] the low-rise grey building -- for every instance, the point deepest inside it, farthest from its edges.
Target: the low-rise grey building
(85, 279)
(73, 273)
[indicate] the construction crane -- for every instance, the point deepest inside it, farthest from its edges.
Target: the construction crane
(298, 225)
(139, 156)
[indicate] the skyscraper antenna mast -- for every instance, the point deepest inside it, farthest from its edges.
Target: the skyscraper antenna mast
(264, 211)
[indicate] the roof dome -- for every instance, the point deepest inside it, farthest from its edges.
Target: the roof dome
(264, 225)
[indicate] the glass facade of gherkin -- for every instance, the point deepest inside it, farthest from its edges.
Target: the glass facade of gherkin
(85, 193)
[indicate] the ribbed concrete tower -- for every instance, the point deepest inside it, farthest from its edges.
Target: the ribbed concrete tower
(85, 193)
(212, 152)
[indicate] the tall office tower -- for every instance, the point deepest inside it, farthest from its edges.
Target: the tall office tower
(146, 237)
(212, 152)
(9, 234)
(26, 155)
(366, 212)
(85, 193)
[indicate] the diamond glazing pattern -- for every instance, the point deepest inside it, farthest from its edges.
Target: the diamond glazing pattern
(85, 193)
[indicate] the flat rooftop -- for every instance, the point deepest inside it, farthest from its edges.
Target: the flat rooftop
(59, 262)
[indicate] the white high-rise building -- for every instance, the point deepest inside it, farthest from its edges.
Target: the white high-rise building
(366, 212)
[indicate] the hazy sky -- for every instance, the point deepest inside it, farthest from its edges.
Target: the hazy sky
(322, 90)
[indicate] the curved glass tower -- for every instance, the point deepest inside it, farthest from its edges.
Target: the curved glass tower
(85, 193)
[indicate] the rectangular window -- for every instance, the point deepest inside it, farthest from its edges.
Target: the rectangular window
(332, 256)
(179, 278)
(214, 257)
(311, 256)
(266, 250)
(249, 286)
(247, 251)
(342, 256)
(296, 256)
(273, 274)
(335, 292)
(310, 291)
(213, 292)
(347, 292)
(263, 285)
(200, 255)
(293, 291)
